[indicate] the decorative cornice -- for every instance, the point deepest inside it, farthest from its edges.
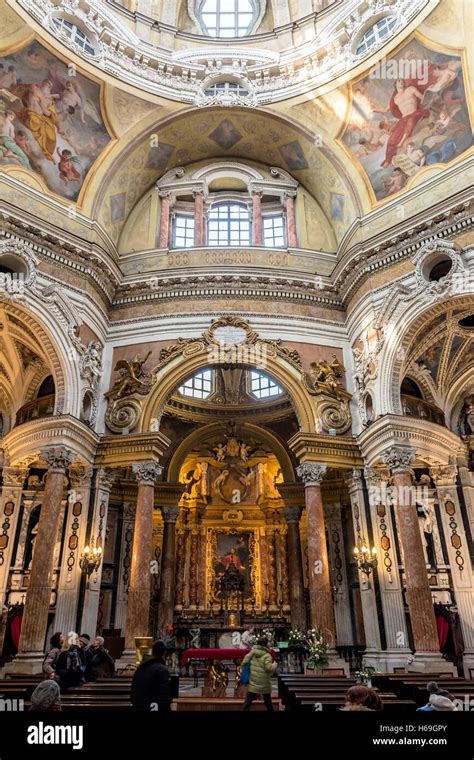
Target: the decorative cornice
(311, 474)
(272, 76)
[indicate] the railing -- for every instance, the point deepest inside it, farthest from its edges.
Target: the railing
(33, 410)
(416, 407)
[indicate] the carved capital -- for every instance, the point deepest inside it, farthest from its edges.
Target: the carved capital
(353, 479)
(311, 473)
(444, 475)
(374, 476)
(292, 513)
(170, 514)
(399, 459)
(58, 458)
(80, 474)
(14, 476)
(147, 473)
(105, 478)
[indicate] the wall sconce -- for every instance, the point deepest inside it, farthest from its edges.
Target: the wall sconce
(365, 559)
(90, 560)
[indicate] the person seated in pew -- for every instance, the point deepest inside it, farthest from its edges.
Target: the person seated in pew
(440, 700)
(151, 688)
(361, 699)
(46, 697)
(101, 664)
(71, 664)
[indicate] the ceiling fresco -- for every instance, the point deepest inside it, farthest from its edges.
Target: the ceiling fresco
(51, 119)
(408, 113)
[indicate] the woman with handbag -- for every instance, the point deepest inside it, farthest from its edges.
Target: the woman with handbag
(258, 667)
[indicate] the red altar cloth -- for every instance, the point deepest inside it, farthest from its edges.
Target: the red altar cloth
(213, 654)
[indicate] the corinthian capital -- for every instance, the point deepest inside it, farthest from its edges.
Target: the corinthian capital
(14, 476)
(170, 514)
(58, 458)
(399, 459)
(310, 473)
(105, 478)
(147, 473)
(292, 513)
(444, 475)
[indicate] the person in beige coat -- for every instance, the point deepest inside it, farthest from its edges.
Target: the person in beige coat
(262, 668)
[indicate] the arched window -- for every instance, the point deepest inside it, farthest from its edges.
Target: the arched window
(262, 386)
(72, 32)
(229, 224)
(375, 34)
(228, 18)
(198, 386)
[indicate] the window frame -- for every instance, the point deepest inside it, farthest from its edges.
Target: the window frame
(378, 39)
(257, 376)
(228, 219)
(189, 218)
(67, 28)
(273, 216)
(192, 381)
(256, 16)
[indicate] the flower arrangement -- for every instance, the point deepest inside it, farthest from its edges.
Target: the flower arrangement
(296, 638)
(268, 633)
(364, 675)
(317, 648)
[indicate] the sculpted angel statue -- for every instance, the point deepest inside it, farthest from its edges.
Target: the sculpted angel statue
(133, 379)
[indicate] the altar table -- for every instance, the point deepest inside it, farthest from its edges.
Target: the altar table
(213, 654)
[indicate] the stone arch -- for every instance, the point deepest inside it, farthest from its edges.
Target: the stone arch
(56, 346)
(172, 374)
(398, 339)
(197, 436)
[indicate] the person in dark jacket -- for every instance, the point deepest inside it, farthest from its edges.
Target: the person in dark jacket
(101, 664)
(71, 663)
(151, 688)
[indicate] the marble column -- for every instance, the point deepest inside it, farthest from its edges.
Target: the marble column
(126, 546)
(342, 610)
(35, 616)
(164, 232)
(198, 196)
(291, 237)
(257, 222)
(181, 542)
(462, 575)
(138, 607)
(100, 506)
(168, 567)
(372, 655)
(322, 613)
(70, 575)
(10, 503)
(418, 592)
(295, 564)
(390, 583)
